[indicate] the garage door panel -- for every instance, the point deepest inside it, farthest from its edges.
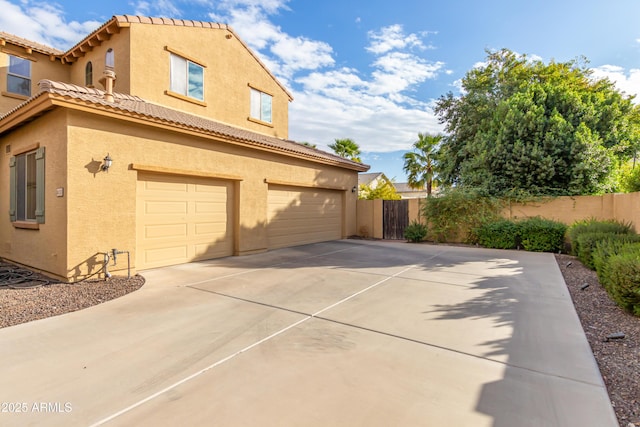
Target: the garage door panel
(299, 216)
(163, 231)
(182, 219)
(165, 207)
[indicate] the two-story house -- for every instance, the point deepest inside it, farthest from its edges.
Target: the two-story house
(162, 138)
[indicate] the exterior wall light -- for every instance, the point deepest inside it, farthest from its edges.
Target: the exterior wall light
(107, 163)
(354, 189)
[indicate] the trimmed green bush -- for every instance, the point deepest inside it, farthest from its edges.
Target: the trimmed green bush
(613, 244)
(595, 226)
(624, 280)
(586, 244)
(542, 235)
(415, 232)
(500, 234)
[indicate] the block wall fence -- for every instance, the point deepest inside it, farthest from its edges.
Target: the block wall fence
(567, 209)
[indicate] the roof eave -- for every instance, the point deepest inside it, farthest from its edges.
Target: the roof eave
(45, 101)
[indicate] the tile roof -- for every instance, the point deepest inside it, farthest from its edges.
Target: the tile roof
(19, 41)
(134, 106)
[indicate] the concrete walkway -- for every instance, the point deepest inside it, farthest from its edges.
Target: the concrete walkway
(347, 333)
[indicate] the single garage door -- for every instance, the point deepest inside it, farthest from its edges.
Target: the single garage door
(182, 219)
(297, 216)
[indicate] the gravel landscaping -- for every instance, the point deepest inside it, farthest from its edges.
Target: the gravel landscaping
(26, 296)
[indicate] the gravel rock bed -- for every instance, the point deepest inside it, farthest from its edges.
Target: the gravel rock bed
(28, 296)
(618, 359)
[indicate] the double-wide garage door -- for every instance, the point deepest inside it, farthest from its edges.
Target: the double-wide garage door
(298, 216)
(182, 219)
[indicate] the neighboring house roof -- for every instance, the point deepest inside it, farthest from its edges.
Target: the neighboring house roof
(403, 187)
(368, 178)
(28, 44)
(122, 21)
(136, 108)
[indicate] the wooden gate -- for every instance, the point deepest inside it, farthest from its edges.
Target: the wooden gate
(395, 218)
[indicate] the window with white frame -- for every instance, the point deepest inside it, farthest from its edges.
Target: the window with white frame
(187, 77)
(26, 197)
(260, 105)
(19, 76)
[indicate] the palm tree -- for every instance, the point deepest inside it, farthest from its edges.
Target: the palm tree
(346, 148)
(420, 164)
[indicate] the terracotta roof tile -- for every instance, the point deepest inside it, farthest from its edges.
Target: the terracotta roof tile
(136, 106)
(19, 41)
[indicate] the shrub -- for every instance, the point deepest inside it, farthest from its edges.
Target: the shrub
(624, 280)
(500, 234)
(415, 232)
(586, 244)
(542, 235)
(614, 244)
(594, 226)
(455, 214)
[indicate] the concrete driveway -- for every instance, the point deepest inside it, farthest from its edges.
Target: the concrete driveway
(347, 333)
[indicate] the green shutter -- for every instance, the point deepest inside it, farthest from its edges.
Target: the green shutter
(40, 185)
(12, 189)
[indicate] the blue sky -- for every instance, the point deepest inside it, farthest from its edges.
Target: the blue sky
(370, 70)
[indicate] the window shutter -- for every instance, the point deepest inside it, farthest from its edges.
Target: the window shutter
(40, 185)
(12, 189)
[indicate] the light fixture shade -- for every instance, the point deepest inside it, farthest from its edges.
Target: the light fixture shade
(107, 162)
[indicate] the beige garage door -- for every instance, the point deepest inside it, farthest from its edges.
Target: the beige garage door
(299, 216)
(182, 219)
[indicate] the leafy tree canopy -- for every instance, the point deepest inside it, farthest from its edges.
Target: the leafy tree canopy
(346, 148)
(384, 190)
(523, 126)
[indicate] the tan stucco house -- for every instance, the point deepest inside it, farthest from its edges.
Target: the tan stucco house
(162, 138)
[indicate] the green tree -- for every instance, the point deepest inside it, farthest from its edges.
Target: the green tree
(421, 163)
(308, 144)
(384, 190)
(629, 178)
(523, 126)
(346, 148)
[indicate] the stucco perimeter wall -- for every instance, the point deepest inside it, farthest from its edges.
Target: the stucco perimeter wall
(102, 205)
(44, 248)
(621, 207)
(369, 219)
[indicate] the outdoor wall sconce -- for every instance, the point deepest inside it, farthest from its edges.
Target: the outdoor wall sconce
(354, 189)
(107, 163)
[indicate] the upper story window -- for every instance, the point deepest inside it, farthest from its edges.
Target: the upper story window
(187, 77)
(19, 76)
(109, 59)
(88, 74)
(260, 105)
(26, 192)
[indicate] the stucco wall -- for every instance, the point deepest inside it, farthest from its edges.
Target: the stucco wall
(102, 206)
(230, 69)
(45, 248)
(41, 68)
(121, 48)
(621, 207)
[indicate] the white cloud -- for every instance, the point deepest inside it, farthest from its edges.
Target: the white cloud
(44, 23)
(627, 82)
(373, 106)
(398, 71)
(392, 38)
(164, 8)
